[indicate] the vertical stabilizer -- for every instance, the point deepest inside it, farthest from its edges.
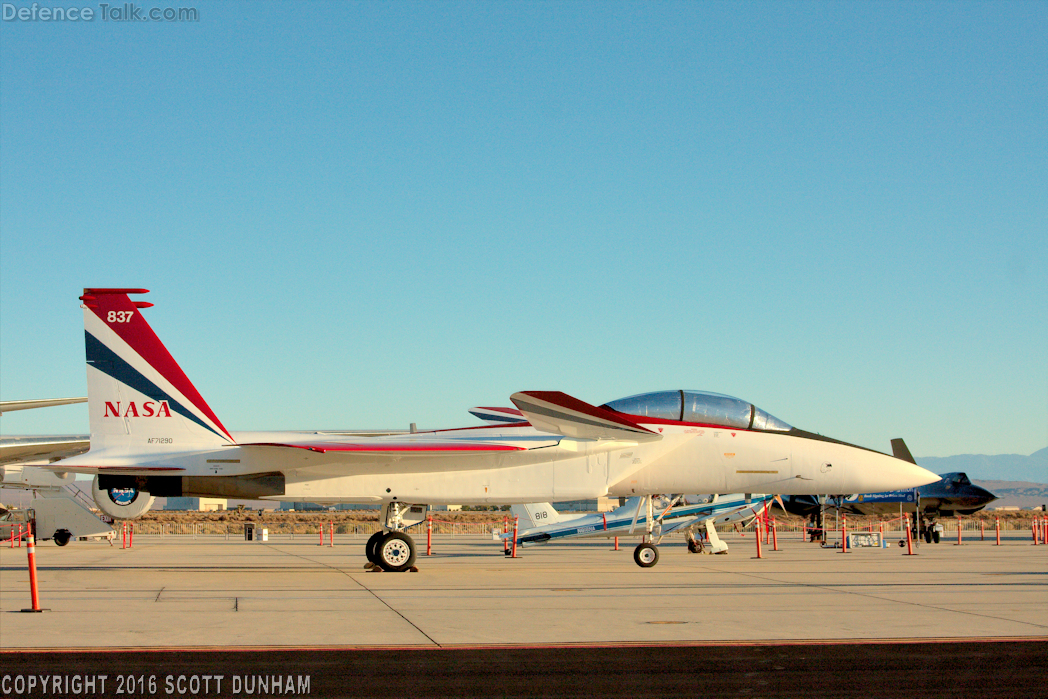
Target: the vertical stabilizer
(900, 451)
(537, 515)
(139, 399)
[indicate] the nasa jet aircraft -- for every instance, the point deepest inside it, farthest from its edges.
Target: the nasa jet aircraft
(153, 434)
(544, 524)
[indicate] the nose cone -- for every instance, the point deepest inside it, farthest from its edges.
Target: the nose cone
(975, 496)
(914, 471)
(873, 472)
(985, 496)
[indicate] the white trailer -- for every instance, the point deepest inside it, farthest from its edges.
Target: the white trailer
(59, 516)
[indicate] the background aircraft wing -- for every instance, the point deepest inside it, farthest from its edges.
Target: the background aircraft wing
(14, 450)
(9, 405)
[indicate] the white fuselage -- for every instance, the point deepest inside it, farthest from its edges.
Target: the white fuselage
(688, 459)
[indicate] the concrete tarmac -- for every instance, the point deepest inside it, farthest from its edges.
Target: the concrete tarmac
(290, 599)
(204, 593)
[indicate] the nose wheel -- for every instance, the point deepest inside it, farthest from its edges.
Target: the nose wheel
(646, 555)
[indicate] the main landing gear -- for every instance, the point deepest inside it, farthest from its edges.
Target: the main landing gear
(391, 549)
(931, 530)
(393, 552)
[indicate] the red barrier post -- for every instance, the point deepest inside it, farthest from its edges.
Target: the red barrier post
(1033, 530)
(331, 534)
(757, 536)
(429, 535)
(20, 536)
(123, 535)
(31, 551)
(959, 531)
(982, 529)
(844, 533)
(909, 536)
(516, 521)
(131, 535)
(616, 543)
(997, 526)
(505, 530)
(774, 536)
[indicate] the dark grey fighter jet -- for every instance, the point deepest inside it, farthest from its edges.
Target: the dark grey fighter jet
(954, 495)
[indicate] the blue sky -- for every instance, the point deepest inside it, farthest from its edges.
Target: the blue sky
(365, 215)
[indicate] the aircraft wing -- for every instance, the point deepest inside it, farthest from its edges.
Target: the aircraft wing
(425, 452)
(9, 405)
(499, 416)
(403, 448)
(559, 413)
(14, 450)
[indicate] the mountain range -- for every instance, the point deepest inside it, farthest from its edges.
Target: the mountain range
(1002, 467)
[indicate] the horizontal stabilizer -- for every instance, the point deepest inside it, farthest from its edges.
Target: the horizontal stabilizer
(900, 451)
(559, 413)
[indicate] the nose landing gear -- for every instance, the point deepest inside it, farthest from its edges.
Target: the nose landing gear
(647, 554)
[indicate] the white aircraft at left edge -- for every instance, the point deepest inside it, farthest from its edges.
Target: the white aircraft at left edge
(152, 434)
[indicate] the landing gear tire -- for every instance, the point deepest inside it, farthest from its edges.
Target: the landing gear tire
(646, 555)
(62, 537)
(371, 547)
(935, 537)
(928, 536)
(396, 552)
(694, 547)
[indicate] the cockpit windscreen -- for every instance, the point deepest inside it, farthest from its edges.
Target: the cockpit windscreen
(701, 407)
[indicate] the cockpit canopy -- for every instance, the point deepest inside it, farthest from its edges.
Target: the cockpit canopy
(699, 406)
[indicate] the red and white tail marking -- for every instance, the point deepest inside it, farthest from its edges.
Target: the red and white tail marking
(138, 396)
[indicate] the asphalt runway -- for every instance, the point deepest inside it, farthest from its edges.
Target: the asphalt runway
(568, 620)
(1003, 669)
